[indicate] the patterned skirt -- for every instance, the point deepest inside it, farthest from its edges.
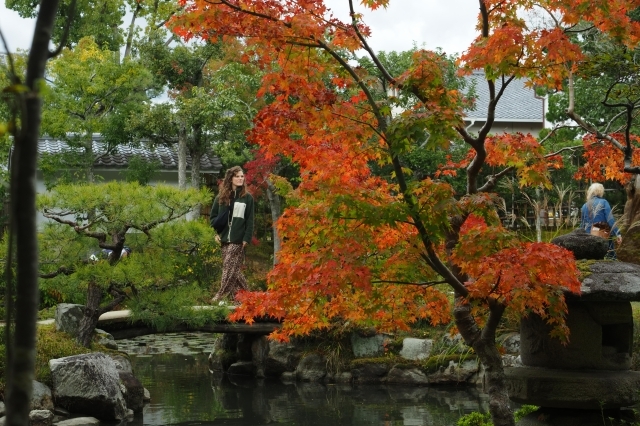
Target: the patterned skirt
(232, 278)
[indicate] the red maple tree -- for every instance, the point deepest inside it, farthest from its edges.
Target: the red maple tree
(360, 248)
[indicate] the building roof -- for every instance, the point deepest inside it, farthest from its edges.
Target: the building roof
(166, 156)
(517, 104)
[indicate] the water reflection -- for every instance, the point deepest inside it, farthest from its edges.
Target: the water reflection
(184, 392)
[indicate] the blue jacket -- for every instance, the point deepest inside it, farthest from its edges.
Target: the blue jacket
(598, 210)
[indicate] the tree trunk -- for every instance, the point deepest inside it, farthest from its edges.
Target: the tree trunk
(195, 182)
(195, 169)
(21, 365)
(92, 312)
(483, 343)
(629, 250)
(276, 212)
(131, 32)
(182, 157)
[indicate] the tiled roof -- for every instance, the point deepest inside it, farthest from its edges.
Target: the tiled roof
(518, 103)
(168, 157)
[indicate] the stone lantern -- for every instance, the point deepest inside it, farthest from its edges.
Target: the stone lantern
(590, 379)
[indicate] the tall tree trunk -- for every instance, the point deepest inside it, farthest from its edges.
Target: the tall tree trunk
(92, 312)
(483, 343)
(195, 181)
(131, 31)
(195, 169)
(276, 212)
(20, 368)
(89, 158)
(628, 250)
(182, 157)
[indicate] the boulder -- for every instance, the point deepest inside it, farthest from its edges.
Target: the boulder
(88, 384)
(368, 347)
(80, 421)
(408, 376)
(453, 344)
(416, 349)
(242, 368)
(311, 368)
(68, 316)
(373, 372)
(223, 354)
(282, 357)
(288, 376)
(510, 342)
(343, 377)
(105, 339)
(511, 361)
(134, 391)
(40, 418)
(583, 245)
(41, 398)
(455, 373)
(123, 364)
(146, 395)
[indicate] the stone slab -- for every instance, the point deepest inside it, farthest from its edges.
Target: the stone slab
(577, 389)
(610, 281)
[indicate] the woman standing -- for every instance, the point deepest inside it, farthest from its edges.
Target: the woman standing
(597, 211)
(232, 215)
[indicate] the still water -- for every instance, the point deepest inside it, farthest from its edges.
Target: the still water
(174, 368)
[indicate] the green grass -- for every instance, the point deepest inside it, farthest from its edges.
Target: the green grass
(50, 344)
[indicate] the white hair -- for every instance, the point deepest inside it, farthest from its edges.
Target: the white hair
(595, 190)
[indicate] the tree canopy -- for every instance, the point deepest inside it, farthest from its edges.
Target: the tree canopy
(368, 249)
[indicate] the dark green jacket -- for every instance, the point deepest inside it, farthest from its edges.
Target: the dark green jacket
(240, 224)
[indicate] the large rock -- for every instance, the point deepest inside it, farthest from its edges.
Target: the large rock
(123, 363)
(416, 349)
(105, 339)
(408, 376)
(40, 418)
(455, 373)
(370, 372)
(311, 368)
(368, 347)
(583, 245)
(68, 318)
(134, 391)
(510, 342)
(223, 354)
(41, 398)
(577, 389)
(88, 384)
(282, 357)
(242, 368)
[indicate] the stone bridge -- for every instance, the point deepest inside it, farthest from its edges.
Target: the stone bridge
(120, 326)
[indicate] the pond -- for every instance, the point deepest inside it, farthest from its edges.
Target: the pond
(174, 368)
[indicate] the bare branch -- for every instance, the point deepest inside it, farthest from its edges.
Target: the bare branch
(67, 28)
(583, 123)
(368, 48)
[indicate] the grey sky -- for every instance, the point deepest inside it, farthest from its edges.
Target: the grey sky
(448, 24)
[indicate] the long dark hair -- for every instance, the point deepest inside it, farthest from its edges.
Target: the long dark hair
(226, 186)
